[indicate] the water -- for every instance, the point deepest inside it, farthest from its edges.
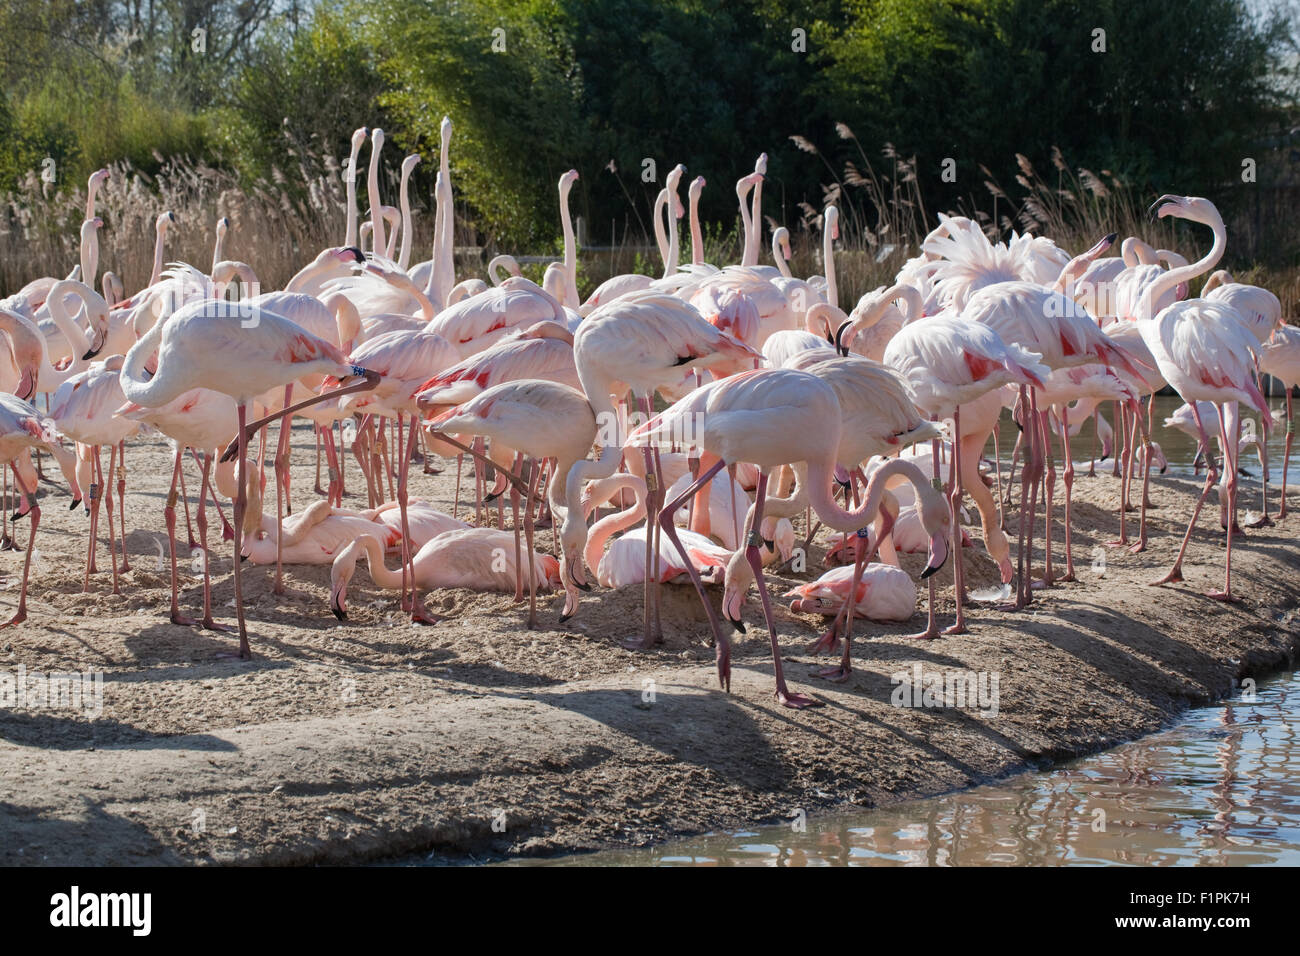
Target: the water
(1180, 449)
(1217, 789)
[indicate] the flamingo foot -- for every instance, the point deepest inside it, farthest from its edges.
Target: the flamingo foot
(795, 701)
(421, 616)
(211, 625)
(1068, 576)
(1226, 596)
(836, 675)
(929, 634)
(958, 627)
(1139, 547)
(828, 643)
(182, 620)
(1174, 576)
(16, 619)
(1120, 542)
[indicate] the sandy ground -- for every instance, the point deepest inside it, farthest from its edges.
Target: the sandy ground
(374, 739)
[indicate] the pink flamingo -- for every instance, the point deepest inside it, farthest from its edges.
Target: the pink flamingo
(642, 342)
(84, 409)
(774, 417)
(475, 558)
(217, 345)
(1207, 353)
(201, 420)
(954, 365)
(542, 420)
(1280, 358)
(623, 565)
(21, 429)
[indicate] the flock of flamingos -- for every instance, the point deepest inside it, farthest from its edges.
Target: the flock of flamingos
(771, 401)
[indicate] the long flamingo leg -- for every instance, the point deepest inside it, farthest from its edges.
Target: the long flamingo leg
(931, 624)
(169, 514)
(954, 495)
(517, 471)
(1068, 479)
(1026, 479)
(121, 500)
(1286, 457)
(241, 503)
(108, 513)
(1231, 428)
(202, 521)
(1211, 478)
(528, 539)
(755, 558)
(281, 489)
(35, 513)
(1049, 496)
(666, 522)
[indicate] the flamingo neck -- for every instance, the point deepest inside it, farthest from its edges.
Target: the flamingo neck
(749, 256)
(697, 237)
(570, 253)
(837, 518)
(1172, 278)
(610, 525)
(754, 240)
(778, 257)
(661, 234)
(350, 184)
(828, 259)
(404, 257)
(156, 274)
(372, 189)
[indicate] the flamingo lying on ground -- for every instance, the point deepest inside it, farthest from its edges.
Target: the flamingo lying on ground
(481, 559)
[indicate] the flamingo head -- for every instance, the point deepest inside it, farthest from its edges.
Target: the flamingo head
(572, 575)
(1195, 208)
(97, 177)
(339, 592)
(832, 220)
(409, 163)
(745, 183)
(359, 137)
(736, 581)
(937, 521)
(696, 187)
(567, 180)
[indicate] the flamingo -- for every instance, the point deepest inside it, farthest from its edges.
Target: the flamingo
(214, 344)
(883, 593)
(952, 366)
(320, 532)
(642, 342)
(773, 417)
(475, 558)
(22, 429)
(543, 420)
(623, 565)
(84, 409)
(1206, 353)
(1280, 357)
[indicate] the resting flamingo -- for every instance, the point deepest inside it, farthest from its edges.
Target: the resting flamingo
(477, 558)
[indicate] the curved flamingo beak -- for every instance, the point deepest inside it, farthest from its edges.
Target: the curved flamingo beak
(938, 555)
(338, 594)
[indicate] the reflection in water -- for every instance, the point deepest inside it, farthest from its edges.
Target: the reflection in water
(1216, 790)
(1180, 448)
